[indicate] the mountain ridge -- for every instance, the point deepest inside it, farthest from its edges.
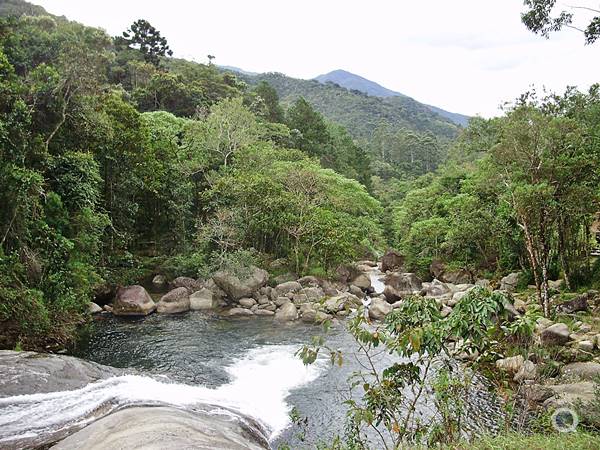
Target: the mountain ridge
(356, 82)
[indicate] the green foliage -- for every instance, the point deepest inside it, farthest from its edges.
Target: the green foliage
(147, 39)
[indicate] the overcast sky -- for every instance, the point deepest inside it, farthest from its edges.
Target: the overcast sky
(466, 56)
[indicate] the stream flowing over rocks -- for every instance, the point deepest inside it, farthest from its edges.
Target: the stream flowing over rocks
(206, 379)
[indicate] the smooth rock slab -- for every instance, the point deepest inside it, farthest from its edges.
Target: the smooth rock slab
(155, 428)
(37, 373)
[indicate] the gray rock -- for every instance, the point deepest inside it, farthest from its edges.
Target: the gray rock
(509, 282)
(162, 427)
(308, 315)
(520, 305)
(378, 309)
(334, 304)
(571, 393)
(362, 281)
(456, 297)
(280, 301)
(392, 260)
(400, 285)
(94, 309)
(300, 298)
(579, 303)
(238, 312)
(133, 301)
(263, 300)
(556, 285)
(39, 373)
(189, 283)
(528, 371)
(264, 312)
(108, 308)
(159, 281)
(557, 334)
(286, 312)
(355, 290)
(322, 316)
(285, 288)
(313, 293)
(247, 302)
(235, 288)
(309, 281)
(510, 365)
(203, 299)
(175, 301)
(585, 346)
(582, 370)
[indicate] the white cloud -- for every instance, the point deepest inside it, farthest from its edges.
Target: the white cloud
(466, 56)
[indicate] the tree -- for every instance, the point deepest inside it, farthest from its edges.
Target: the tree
(274, 111)
(537, 159)
(541, 19)
(143, 36)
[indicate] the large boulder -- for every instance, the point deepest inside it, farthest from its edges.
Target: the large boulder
(133, 301)
(509, 282)
(186, 282)
(203, 299)
(557, 334)
(175, 301)
(582, 370)
(391, 261)
(236, 288)
(460, 276)
(579, 303)
(287, 312)
(287, 287)
(313, 293)
(400, 285)
(24, 373)
(362, 281)
(168, 428)
(378, 309)
(437, 288)
(247, 302)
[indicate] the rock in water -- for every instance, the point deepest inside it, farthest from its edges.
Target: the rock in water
(36, 373)
(202, 300)
(175, 301)
(379, 309)
(133, 301)
(362, 281)
(287, 312)
(166, 428)
(237, 288)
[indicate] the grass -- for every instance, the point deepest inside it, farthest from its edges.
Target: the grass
(562, 441)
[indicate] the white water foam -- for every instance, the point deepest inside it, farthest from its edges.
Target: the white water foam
(260, 383)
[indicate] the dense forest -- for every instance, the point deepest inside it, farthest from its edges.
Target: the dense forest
(118, 160)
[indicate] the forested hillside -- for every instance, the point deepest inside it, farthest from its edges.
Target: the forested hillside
(356, 110)
(116, 160)
(354, 82)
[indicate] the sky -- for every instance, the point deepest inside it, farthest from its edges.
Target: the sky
(466, 56)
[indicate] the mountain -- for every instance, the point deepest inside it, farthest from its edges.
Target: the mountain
(359, 112)
(358, 83)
